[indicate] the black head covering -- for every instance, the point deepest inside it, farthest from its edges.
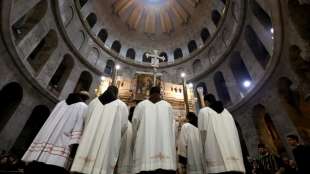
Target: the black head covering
(213, 104)
(109, 95)
(192, 118)
(73, 98)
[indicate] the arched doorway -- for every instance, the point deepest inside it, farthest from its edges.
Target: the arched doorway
(267, 132)
(32, 127)
(10, 97)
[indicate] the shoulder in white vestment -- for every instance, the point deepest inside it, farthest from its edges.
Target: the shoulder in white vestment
(190, 147)
(63, 128)
(99, 148)
(154, 134)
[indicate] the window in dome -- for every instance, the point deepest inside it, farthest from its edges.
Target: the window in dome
(91, 20)
(192, 46)
(257, 47)
(131, 54)
(216, 17)
(221, 88)
(178, 53)
(116, 46)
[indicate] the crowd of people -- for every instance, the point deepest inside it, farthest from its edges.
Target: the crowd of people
(105, 137)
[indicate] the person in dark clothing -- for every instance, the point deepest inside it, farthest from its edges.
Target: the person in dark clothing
(301, 154)
(266, 162)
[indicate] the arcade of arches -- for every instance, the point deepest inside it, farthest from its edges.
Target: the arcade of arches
(253, 55)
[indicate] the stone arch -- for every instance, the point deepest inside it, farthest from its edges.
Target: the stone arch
(240, 71)
(192, 46)
(131, 54)
(109, 67)
(61, 75)
(266, 130)
(103, 35)
(221, 88)
(40, 55)
(197, 66)
(68, 16)
(11, 96)
(261, 15)
(295, 106)
(32, 127)
(84, 82)
(257, 47)
(178, 53)
(26, 23)
(204, 34)
(91, 20)
(216, 17)
(116, 46)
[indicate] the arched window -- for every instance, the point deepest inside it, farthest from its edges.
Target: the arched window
(91, 20)
(43, 51)
(25, 24)
(103, 35)
(36, 120)
(116, 46)
(109, 67)
(131, 54)
(84, 82)
(178, 53)
(10, 97)
(216, 17)
(61, 75)
(197, 66)
(205, 34)
(192, 46)
(257, 47)
(240, 71)
(82, 2)
(261, 15)
(145, 58)
(163, 54)
(221, 88)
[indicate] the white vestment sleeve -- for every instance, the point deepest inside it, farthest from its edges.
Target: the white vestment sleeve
(182, 143)
(124, 115)
(77, 130)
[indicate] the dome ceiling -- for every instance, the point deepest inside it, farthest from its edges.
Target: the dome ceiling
(154, 16)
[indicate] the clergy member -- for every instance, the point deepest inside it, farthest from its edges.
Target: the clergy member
(124, 164)
(190, 151)
(220, 138)
(106, 122)
(154, 144)
(52, 147)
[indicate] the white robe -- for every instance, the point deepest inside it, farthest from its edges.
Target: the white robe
(154, 144)
(190, 147)
(100, 144)
(63, 128)
(124, 163)
(222, 146)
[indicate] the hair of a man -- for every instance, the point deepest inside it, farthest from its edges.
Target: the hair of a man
(294, 137)
(210, 98)
(155, 90)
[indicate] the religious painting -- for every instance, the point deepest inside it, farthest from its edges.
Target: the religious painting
(144, 84)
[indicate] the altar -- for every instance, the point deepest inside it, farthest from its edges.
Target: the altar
(132, 91)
